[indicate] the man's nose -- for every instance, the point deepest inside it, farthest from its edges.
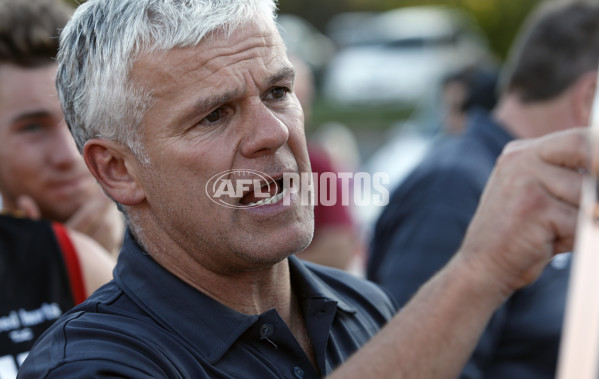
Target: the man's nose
(264, 132)
(63, 148)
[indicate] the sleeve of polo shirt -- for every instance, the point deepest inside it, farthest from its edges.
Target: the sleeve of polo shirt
(120, 362)
(109, 360)
(100, 369)
(84, 345)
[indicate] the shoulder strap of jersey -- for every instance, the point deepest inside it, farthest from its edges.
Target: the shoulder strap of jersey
(72, 263)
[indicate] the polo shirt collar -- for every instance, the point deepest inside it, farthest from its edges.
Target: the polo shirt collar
(151, 286)
(308, 286)
(493, 134)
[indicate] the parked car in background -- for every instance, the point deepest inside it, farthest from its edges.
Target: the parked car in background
(396, 56)
(345, 28)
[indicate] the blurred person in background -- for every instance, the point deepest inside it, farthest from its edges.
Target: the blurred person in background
(443, 112)
(336, 242)
(45, 270)
(549, 85)
(470, 87)
(41, 171)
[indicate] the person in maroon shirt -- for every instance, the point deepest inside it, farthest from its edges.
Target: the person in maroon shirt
(336, 240)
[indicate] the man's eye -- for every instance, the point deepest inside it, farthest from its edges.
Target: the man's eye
(214, 116)
(279, 92)
(32, 127)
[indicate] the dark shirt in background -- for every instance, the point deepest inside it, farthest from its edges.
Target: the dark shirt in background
(423, 226)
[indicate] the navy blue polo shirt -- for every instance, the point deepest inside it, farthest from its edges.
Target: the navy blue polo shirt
(148, 323)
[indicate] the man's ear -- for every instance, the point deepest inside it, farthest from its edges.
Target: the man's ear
(584, 95)
(113, 166)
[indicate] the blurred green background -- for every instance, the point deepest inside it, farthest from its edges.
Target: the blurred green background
(499, 21)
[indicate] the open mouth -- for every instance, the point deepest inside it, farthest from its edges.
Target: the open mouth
(246, 188)
(268, 193)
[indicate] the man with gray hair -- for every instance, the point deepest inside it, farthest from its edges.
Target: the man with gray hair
(162, 97)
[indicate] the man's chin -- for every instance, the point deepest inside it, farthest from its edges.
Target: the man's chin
(296, 244)
(270, 252)
(62, 213)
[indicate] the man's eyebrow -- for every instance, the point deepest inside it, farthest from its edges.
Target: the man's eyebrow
(214, 101)
(30, 115)
(286, 73)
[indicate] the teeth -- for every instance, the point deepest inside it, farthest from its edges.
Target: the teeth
(270, 200)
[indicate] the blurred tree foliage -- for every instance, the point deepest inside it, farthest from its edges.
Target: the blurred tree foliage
(500, 20)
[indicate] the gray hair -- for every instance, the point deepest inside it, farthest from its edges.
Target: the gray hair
(101, 42)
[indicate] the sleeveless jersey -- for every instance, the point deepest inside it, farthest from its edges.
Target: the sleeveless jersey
(40, 278)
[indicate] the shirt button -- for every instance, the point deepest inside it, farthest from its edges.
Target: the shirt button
(298, 372)
(266, 330)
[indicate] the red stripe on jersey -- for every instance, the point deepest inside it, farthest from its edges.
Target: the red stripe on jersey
(72, 262)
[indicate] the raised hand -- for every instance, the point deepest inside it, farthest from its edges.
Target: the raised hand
(529, 209)
(100, 219)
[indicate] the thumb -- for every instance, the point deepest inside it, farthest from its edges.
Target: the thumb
(27, 205)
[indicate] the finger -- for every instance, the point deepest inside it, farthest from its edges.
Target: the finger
(110, 231)
(563, 219)
(563, 245)
(86, 219)
(568, 148)
(28, 206)
(562, 183)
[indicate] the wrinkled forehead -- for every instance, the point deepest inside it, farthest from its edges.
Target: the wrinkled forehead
(256, 39)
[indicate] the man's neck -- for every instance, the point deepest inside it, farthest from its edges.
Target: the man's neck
(530, 120)
(253, 293)
(256, 291)
(248, 292)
